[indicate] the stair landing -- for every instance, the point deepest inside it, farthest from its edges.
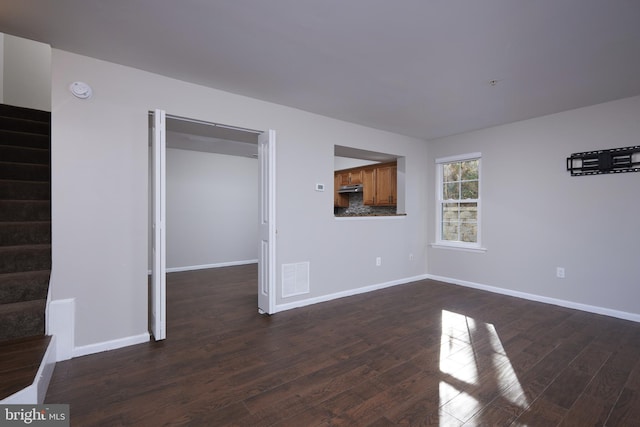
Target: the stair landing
(20, 360)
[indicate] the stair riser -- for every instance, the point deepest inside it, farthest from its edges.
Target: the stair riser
(22, 139)
(24, 172)
(22, 125)
(19, 259)
(28, 321)
(25, 210)
(24, 113)
(24, 190)
(37, 156)
(27, 286)
(15, 234)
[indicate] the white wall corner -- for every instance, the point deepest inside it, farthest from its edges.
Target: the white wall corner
(61, 324)
(347, 293)
(207, 266)
(634, 317)
(111, 345)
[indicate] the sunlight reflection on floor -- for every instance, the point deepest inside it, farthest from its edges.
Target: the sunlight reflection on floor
(465, 367)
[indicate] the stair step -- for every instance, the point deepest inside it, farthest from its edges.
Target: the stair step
(24, 139)
(24, 113)
(9, 153)
(15, 259)
(24, 172)
(20, 360)
(25, 125)
(22, 319)
(24, 190)
(25, 210)
(24, 286)
(25, 233)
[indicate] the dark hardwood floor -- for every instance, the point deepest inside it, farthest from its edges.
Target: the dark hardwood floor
(425, 353)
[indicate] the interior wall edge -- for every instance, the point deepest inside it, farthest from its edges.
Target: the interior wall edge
(634, 317)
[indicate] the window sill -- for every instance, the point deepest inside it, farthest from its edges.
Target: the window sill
(458, 248)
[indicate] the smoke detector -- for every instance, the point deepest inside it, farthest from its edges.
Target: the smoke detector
(80, 90)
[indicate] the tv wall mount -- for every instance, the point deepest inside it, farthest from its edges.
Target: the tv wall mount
(613, 160)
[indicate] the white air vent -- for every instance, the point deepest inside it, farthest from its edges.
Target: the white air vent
(295, 279)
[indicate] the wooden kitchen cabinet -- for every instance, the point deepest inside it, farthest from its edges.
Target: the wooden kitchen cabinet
(368, 187)
(380, 185)
(386, 186)
(342, 178)
(349, 177)
(339, 200)
(355, 177)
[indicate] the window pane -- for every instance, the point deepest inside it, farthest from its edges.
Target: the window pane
(450, 211)
(468, 212)
(469, 170)
(469, 232)
(450, 230)
(451, 172)
(470, 190)
(451, 190)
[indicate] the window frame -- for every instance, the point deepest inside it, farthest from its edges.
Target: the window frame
(456, 244)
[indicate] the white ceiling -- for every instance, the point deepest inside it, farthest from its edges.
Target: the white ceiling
(416, 67)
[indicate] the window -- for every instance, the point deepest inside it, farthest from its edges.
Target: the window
(458, 196)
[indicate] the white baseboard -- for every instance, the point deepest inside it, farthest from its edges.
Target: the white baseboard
(110, 345)
(539, 298)
(348, 293)
(61, 326)
(206, 266)
(36, 392)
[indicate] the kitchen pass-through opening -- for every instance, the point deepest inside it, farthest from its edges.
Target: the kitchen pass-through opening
(368, 183)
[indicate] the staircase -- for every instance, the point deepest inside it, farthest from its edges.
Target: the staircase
(25, 243)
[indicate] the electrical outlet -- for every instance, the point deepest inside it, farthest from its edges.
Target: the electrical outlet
(560, 272)
(378, 261)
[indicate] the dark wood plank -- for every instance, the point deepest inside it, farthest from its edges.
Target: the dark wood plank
(541, 413)
(425, 353)
(20, 360)
(626, 410)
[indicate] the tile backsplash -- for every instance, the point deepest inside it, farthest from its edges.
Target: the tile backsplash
(357, 207)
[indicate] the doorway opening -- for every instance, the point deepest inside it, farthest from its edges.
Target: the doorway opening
(213, 189)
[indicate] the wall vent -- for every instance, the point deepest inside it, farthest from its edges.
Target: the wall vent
(295, 279)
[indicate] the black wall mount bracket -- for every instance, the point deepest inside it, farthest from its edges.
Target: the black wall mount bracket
(613, 160)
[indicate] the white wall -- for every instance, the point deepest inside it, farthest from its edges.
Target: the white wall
(347, 163)
(99, 184)
(26, 76)
(537, 217)
(212, 209)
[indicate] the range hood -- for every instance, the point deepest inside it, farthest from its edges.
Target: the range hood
(355, 188)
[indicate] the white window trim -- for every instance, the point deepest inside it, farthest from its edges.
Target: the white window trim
(447, 244)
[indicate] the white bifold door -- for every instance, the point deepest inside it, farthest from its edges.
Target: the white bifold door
(267, 255)
(159, 263)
